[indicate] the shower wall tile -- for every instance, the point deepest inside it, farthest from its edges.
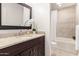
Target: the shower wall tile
(66, 22)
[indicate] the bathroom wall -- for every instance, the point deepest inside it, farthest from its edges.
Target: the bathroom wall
(77, 14)
(54, 18)
(41, 16)
(66, 22)
(8, 33)
(77, 27)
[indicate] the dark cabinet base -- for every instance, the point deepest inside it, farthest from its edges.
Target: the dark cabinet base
(34, 47)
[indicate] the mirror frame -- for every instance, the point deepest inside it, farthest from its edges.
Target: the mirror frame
(6, 27)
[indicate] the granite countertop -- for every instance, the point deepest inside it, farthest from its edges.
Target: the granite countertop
(9, 41)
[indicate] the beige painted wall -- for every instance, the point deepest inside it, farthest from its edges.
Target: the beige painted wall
(66, 22)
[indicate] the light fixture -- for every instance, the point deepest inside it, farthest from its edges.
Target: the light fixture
(59, 4)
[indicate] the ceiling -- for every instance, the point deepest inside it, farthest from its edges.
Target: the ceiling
(63, 5)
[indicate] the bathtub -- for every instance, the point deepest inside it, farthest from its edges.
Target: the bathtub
(65, 44)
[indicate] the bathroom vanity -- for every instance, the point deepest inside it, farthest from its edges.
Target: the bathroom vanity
(23, 45)
(19, 16)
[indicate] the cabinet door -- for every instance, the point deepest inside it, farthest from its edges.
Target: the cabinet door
(37, 49)
(34, 51)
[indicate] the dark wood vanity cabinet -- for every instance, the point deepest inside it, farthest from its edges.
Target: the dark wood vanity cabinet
(34, 47)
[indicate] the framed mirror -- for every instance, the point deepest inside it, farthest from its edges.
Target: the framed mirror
(15, 15)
